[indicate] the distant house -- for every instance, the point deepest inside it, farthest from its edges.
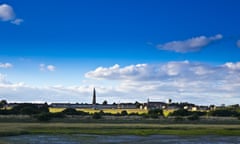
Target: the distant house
(107, 106)
(156, 105)
(172, 107)
(69, 105)
(203, 108)
(126, 106)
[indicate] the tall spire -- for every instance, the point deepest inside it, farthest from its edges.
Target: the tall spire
(94, 96)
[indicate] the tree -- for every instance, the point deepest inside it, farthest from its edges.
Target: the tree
(104, 102)
(3, 103)
(70, 111)
(29, 109)
(137, 104)
(124, 113)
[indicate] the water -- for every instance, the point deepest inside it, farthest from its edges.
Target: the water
(125, 139)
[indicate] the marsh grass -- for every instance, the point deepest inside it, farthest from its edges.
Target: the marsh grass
(8, 129)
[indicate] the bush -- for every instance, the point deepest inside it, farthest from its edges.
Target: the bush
(44, 117)
(57, 115)
(181, 112)
(5, 112)
(134, 114)
(179, 118)
(29, 109)
(124, 113)
(155, 113)
(223, 113)
(70, 111)
(193, 117)
(97, 116)
(101, 112)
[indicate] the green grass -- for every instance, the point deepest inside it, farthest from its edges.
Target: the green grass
(117, 129)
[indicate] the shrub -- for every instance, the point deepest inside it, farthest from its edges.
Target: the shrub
(223, 112)
(155, 113)
(134, 114)
(44, 117)
(181, 112)
(97, 116)
(57, 115)
(193, 117)
(101, 112)
(124, 113)
(29, 109)
(70, 111)
(178, 118)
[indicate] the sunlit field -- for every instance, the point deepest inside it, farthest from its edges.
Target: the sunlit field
(112, 111)
(167, 112)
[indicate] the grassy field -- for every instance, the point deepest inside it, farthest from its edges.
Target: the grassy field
(113, 111)
(117, 129)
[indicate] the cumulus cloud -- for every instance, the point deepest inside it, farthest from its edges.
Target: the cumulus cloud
(6, 65)
(189, 45)
(182, 81)
(7, 14)
(179, 80)
(233, 66)
(238, 43)
(146, 72)
(44, 67)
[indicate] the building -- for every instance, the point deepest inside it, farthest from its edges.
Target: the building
(127, 106)
(156, 105)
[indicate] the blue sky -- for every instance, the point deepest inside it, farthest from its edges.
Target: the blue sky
(130, 50)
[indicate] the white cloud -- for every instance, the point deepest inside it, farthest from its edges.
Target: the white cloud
(146, 72)
(44, 67)
(17, 21)
(181, 81)
(238, 43)
(189, 45)
(7, 14)
(233, 66)
(51, 68)
(6, 65)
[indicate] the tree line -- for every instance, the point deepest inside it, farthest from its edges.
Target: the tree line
(41, 112)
